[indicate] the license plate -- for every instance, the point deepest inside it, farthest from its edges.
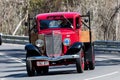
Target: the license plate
(42, 63)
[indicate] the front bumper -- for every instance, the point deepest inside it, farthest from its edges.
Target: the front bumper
(53, 59)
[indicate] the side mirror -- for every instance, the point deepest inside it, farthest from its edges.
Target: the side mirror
(35, 30)
(26, 23)
(86, 20)
(88, 15)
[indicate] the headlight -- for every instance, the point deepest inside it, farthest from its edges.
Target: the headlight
(66, 42)
(39, 43)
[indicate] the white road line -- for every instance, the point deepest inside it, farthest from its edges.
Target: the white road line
(13, 58)
(105, 75)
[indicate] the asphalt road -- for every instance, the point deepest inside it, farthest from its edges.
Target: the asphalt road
(12, 67)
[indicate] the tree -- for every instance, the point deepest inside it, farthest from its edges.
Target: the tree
(104, 14)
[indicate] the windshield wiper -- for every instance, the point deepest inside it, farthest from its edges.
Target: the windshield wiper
(68, 21)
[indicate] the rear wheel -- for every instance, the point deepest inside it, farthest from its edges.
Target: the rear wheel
(80, 62)
(91, 65)
(90, 58)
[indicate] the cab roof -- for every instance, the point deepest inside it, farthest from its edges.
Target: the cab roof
(59, 14)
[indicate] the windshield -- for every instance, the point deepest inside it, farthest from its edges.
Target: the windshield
(45, 24)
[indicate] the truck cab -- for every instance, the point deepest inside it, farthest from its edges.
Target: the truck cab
(58, 38)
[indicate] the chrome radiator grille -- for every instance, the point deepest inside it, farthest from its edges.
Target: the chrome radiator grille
(53, 45)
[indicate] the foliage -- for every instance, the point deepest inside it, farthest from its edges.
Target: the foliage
(104, 14)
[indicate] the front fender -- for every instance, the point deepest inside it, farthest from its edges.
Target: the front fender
(75, 48)
(32, 50)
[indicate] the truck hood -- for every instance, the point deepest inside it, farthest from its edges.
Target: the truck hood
(65, 34)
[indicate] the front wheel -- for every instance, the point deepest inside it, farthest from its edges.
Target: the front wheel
(80, 62)
(30, 69)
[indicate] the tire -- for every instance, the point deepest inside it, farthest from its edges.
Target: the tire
(91, 58)
(80, 62)
(29, 67)
(91, 65)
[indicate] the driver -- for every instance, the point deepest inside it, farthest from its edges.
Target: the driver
(65, 24)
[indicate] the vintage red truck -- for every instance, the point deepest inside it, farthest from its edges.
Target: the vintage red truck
(59, 38)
